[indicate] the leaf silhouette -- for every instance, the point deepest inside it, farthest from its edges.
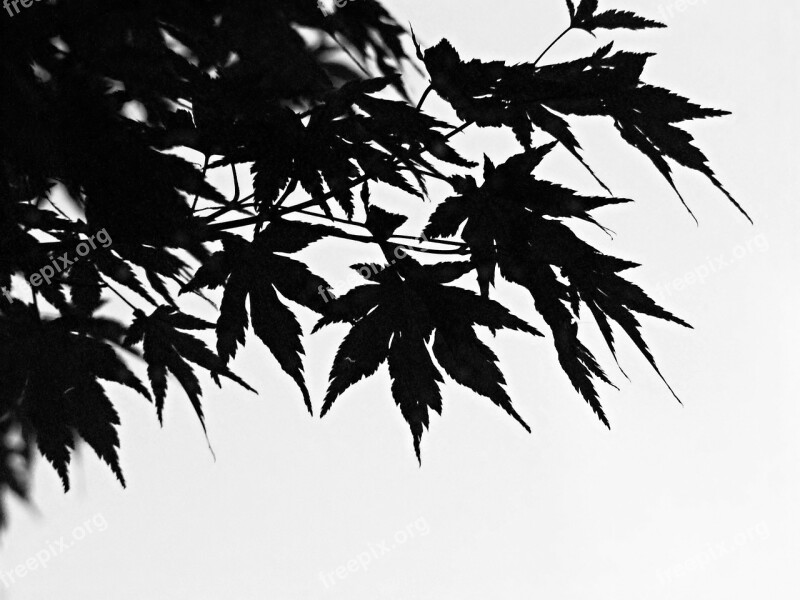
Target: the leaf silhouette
(525, 97)
(134, 140)
(258, 270)
(54, 391)
(512, 223)
(586, 17)
(394, 319)
(168, 350)
(618, 19)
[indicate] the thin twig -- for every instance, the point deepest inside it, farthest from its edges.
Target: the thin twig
(364, 226)
(458, 129)
(289, 190)
(235, 185)
(323, 198)
(215, 228)
(113, 289)
(205, 168)
(227, 208)
(58, 210)
(350, 54)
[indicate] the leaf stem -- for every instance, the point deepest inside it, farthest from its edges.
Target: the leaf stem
(205, 168)
(553, 43)
(289, 189)
(460, 250)
(235, 184)
(227, 208)
(424, 97)
(352, 57)
(458, 129)
(113, 289)
(363, 225)
(328, 196)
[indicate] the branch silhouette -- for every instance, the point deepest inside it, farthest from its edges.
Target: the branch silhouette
(325, 125)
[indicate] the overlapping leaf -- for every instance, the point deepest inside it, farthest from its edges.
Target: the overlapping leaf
(512, 223)
(526, 97)
(349, 134)
(372, 31)
(51, 385)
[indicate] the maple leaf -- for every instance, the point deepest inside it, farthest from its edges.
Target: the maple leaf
(587, 18)
(350, 133)
(52, 388)
(512, 223)
(120, 271)
(371, 30)
(497, 216)
(526, 96)
(168, 350)
(259, 270)
(159, 264)
(394, 123)
(393, 320)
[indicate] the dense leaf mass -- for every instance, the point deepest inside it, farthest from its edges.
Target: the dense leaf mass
(116, 119)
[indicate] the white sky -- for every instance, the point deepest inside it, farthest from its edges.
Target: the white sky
(689, 502)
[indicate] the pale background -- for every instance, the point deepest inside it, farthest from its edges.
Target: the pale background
(689, 502)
